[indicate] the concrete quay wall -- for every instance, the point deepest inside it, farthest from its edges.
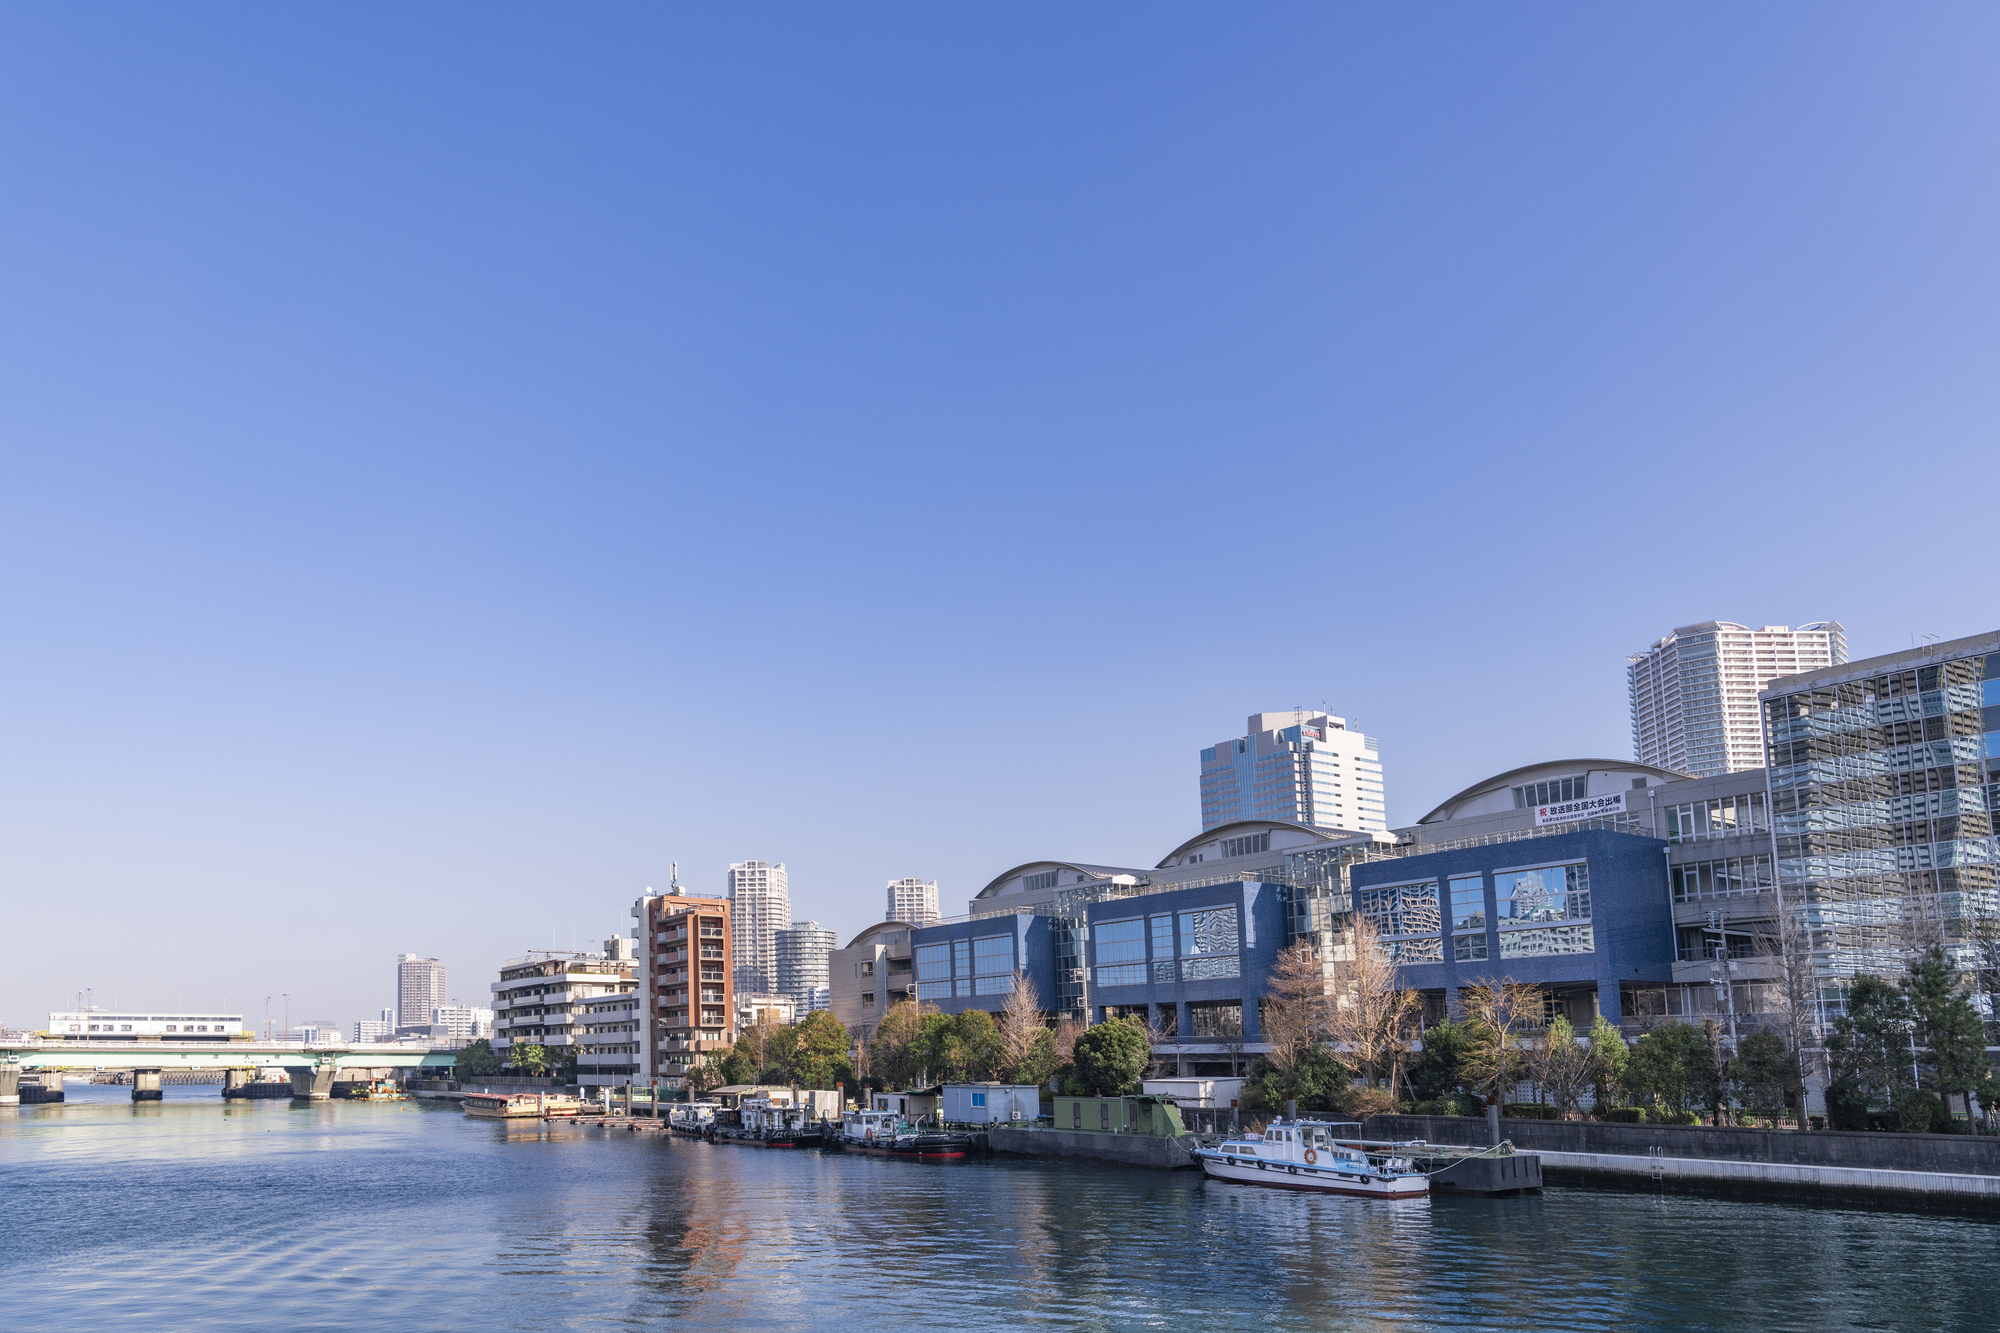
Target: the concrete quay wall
(1131, 1149)
(1948, 1154)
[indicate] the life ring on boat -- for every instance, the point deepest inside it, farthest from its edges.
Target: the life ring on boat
(1311, 1156)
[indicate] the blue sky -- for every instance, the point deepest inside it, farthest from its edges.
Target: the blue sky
(458, 460)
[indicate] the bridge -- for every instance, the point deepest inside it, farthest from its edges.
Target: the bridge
(313, 1070)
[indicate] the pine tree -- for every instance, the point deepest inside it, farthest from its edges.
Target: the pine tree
(1948, 1030)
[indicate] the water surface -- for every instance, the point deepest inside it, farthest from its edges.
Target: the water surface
(190, 1214)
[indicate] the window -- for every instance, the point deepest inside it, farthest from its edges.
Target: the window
(1219, 1018)
(1036, 883)
(1551, 893)
(1546, 942)
(1209, 969)
(1552, 791)
(1469, 948)
(979, 1099)
(1402, 909)
(1121, 941)
(993, 956)
(1248, 845)
(1728, 877)
(1163, 948)
(1208, 931)
(1718, 817)
(933, 963)
(1468, 902)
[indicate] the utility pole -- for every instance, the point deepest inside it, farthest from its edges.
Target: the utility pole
(267, 1018)
(288, 1017)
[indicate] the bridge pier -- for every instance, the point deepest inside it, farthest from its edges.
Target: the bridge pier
(50, 1088)
(10, 1083)
(234, 1080)
(312, 1082)
(146, 1085)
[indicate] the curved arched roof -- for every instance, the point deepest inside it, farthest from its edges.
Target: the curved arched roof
(1080, 867)
(869, 932)
(1241, 826)
(1500, 781)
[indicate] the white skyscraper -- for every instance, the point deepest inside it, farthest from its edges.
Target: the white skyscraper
(1694, 693)
(760, 906)
(802, 966)
(420, 988)
(1297, 765)
(914, 901)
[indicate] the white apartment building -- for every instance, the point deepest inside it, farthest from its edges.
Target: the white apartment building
(753, 1010)
(760, 905)
(802, 954)
(1694, 693)
(370, 1030)
(460, 1022)
(101, 1024)
(420, 988)
(1297, 766)
(914, 901)
(544, 998)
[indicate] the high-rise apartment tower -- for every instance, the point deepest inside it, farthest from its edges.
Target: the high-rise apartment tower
(914, 901)
(420, 988)
(760, 905)
(802, 954)
(1300, 766)
(1694, 693)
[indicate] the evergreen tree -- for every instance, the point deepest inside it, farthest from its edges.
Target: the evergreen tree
(819, 1052)
(476, 1060)
(1439, 1069)
(1764, 1074)
(1608, 1054)
(1948, 1029)
(1673, 1064)
(1110, 1059)
(1870, 1053)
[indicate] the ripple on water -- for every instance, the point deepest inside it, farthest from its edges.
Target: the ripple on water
(190, 1215)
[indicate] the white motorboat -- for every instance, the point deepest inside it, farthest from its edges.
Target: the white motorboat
(1308, 1155)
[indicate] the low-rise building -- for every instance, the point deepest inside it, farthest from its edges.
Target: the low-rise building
(868, 976)
(100, 1024)
(763, 1011)
(541, 997)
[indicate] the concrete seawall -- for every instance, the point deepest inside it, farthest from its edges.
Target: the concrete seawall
(1935, 1170)
(1131, 1149)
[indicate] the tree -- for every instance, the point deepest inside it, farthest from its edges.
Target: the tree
(819, 1051)
(892, 1052)
(1438, 1070)
(1947, 1028)
(1762, 1074)
(1869, 1050)
(1496, 1013)
(1068, 1029)
(1367, 1015)
(533, 1059)
(1111, 1058)
(982, 1049)
(1561, 1066)
(1793, 1000)
(735, 1068)
(1023, 1034)
(701, 1076)
(476, 1060)
(1293, 1012)
(1673, 1063)
(1608, 1055)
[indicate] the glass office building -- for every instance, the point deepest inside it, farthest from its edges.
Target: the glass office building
(1882, 779)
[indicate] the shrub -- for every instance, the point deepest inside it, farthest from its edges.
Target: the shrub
(1622, 1115)
(1529, 1111)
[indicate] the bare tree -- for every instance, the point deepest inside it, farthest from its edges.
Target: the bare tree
(1068, 1029)
(1793, 999)
(1561, 1066)
(1294, 1014)
(1021, 1024)
(1368, 1016)
(1497, 1013)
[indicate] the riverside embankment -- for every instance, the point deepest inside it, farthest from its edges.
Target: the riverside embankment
(1954, 1171)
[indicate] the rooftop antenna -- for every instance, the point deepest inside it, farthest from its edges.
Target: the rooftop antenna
(674, 884)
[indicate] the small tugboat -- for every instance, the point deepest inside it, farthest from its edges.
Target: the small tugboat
(693, 1118)
(380, 1090)
(886, 1134)
(1306, 1155)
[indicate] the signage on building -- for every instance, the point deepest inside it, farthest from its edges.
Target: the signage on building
(1590, 807)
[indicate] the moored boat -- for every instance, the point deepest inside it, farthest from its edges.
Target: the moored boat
(693, 1118)
(519, 1105)
(887, 1134)
(1308, 1155)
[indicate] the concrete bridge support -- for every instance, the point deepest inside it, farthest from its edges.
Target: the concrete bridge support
(50, 1089)
(10, 1083)
(146, 1085)
(312, 1082)
(233, 1080)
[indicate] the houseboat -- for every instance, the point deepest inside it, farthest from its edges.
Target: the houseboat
(887, 1134)
(1307, 1155)
(519, 1105)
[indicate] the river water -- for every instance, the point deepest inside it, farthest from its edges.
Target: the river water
(192, 1214)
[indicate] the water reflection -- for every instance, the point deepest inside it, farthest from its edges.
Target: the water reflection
(193, 1214)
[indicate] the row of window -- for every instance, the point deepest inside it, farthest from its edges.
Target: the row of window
(1729, 877)
(1718, 817)
(1207, 938)
(1551, 792)
(1520, 898)
(1248, 845)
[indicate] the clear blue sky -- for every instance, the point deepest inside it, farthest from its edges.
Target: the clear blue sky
(459, 459)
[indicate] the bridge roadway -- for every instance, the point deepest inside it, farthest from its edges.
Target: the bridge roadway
(313, 1070)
